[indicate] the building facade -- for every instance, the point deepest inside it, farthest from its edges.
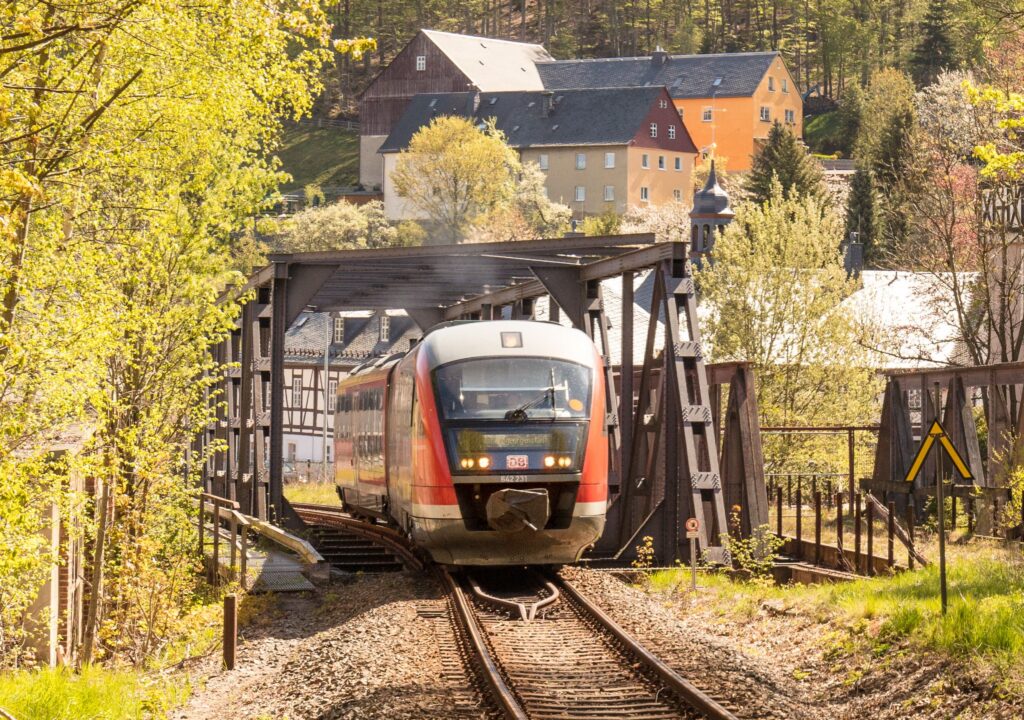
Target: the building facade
(602, 149)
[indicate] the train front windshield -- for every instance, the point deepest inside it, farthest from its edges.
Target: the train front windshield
(514, 414)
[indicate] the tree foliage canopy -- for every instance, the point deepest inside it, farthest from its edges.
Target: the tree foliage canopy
(784, 159)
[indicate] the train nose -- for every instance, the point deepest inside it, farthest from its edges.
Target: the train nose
(513, 509)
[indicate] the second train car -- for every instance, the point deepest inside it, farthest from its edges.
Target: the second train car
(486, 443)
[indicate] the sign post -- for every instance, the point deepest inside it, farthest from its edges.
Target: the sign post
(693, 532)
(935, 432)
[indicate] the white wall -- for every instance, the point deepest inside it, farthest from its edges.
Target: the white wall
(371, 164)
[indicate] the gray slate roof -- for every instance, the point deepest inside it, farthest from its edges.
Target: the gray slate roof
(600, 116)
(492, 64)
(304, 341)
(685, 76)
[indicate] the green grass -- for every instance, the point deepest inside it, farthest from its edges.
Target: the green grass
(822, 133)
(94, 694)
(985, 619)
(312, 492)
(319, 156)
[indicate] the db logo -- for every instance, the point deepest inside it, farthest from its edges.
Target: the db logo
(517, 462)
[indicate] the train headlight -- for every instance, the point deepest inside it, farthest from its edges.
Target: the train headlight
(467, 463)
(564, 461)
(549, 461)
(484, 462)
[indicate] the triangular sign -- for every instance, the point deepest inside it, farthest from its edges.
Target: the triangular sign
(935, 432)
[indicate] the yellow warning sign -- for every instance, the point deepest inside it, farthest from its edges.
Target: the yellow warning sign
(935, 432)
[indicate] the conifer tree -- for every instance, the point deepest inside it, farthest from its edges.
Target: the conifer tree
(861, 215)
(895, 177)
(785, 158)
(851, 113)
(935, 51)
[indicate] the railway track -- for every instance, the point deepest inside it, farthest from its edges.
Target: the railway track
(536, 646)
(356, 545)
(570, 660)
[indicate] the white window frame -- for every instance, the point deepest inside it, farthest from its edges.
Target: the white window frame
(339, 330)
(663, 103)
(580, 194)
(297, 391)
(609, 193)
(707, 114)
(653, 129)
(581, 161)
(790, 117)
(671, 132)
(766, 114)
(542, 161)
(332, 394)
(645, 194)
(421, 63)
(662, 165)
(679, 163)
(385, 328)
(677, 194)
(645, 161)
(609, 160)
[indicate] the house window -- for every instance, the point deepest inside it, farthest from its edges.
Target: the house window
(677, 194)
(662, 104)
(609, 160)
(385, 328)
(680, 113)
(671, 132)
(421, 62)
(790, 117)
(542, 160)
(785, 85)
(609, 193)
(707, 115)
(581, 161)
(644, 197)
(581, 193)
(654, 129)
(765, 113)
(645, 161)
(296, 392)
(661, 162)
(332, 393)
(771, 84)
(339, 330)
(679, 163)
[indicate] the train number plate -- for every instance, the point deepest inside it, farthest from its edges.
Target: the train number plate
(517, 462)
(515, 478)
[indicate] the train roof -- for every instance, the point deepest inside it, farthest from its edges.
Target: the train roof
(488, 338)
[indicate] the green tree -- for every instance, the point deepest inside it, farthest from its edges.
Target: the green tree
(455, 173)
(851, 112)
(339, 226)
(775, 295)
(526, 215)
(897, 179)
(861, 214)
(784, 159)
(935, 50)
(890, 93)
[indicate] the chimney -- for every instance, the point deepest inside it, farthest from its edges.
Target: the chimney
(659, 56)
(853, 257)
(473, 100)
(547, 104)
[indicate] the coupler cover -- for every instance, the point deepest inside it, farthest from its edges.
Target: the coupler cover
(513, 509)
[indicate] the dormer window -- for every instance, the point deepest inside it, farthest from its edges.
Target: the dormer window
(654, 130)
(385, 328)
(339, 330)
(421, 63)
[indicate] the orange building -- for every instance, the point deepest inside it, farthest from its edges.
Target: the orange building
(727, 102)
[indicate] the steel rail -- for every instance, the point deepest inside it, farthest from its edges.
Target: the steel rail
(679, 685)
(336, 517)
(492, 675)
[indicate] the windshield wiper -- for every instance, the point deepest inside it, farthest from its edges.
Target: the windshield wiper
(519, 414)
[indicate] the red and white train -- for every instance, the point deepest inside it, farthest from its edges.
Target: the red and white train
(486, 443)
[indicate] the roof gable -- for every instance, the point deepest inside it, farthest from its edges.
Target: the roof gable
(685, 76)
(601, 116)
(492, 65)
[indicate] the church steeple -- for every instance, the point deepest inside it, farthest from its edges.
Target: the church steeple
(710, 214)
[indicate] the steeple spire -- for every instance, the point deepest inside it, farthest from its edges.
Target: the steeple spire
(710, 214)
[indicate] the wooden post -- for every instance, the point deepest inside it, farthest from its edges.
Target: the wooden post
(892, 533)
(778, 510)
(216, 543)
(230, 630)
(817, 527)
(799, 521)
(789, 490)
(839, 526)
(202, 522)
(855, 508)
(871, 540)
(849, 449)
(910, 533)
(234, 546)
